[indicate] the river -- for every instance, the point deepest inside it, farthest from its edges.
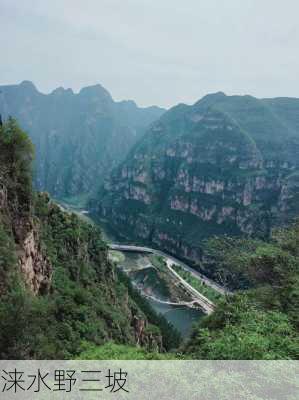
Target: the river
(143, 275)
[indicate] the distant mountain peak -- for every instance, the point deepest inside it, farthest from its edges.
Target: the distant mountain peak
(96, 90)
(28, 85)
(219, 94)
(61, 90)
(211, 98)
(82, 136)
(128, 103)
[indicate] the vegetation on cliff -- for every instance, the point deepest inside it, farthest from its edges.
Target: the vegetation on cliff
(60, 296)
(260, 322)
(239, 330)
(58, 289)
(225, 165)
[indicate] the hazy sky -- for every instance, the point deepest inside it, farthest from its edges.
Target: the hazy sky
(153, 51)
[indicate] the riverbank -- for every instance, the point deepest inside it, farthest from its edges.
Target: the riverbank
(152, 287)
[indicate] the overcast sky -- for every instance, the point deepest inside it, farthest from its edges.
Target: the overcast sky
(153, 51)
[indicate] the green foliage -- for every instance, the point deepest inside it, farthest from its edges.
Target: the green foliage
(197, 284)
(86, 302)
(16, 154)
(7, 255)
(238, 330)
(170, 336)
(226, 259)
(269, 269)
(263, 322)
(112, 351)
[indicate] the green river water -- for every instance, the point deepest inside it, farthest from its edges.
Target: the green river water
(181, 317)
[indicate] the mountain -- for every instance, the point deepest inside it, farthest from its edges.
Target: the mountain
(79, 138)
(225, 165)
(59, 292)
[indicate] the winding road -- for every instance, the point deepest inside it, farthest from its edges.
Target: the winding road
(199, 300)
(196, 274)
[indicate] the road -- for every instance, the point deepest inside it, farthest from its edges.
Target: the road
(199, 299)
(174, 260)
(204, 303)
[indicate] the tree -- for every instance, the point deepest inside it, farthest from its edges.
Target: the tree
(239, 330)
(16, 155)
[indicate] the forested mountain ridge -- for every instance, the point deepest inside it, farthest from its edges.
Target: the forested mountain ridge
(79, 138)
(59, 293)
(262, 321)
(226, 165)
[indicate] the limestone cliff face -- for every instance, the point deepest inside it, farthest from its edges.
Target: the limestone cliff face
(34, 265)
(32, 261)
(3, 196)
(203, 170)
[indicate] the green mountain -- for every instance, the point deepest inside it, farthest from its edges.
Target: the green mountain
(59, 293)
(225, 165)
(79, 138)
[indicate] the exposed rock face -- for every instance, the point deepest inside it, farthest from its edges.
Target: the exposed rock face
(80, 137)
(34, 265)
(224, 165)
(139, 327)
(3, 196)
(143, 337)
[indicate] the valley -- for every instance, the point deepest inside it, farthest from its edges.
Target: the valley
(149, 196)
(187, 306)
(152, 288)
(189, 248)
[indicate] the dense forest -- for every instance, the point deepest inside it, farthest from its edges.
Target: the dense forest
(261, 321)
(60, 296)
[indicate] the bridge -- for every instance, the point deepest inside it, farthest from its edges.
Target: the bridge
(139, 249)
(190, 304)
(199, 300)
(133, 249)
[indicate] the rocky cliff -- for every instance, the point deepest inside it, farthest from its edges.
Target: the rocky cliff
(16, 209)
(226, 165)
(79, 138)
